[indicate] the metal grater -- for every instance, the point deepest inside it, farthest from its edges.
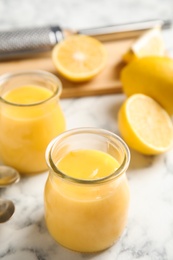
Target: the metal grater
(26, 42)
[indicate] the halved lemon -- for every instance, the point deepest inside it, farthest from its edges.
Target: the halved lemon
(145, 125)
(149, 44)
(79, 57)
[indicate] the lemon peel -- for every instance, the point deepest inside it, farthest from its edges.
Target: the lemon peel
(150, 76)
(145, 125)
(79, 58)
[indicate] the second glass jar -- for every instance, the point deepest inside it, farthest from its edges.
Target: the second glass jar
(30, 116)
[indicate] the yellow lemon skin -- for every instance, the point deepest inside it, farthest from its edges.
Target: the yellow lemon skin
(137, 130)
(130, 136)
(129, 56)
(152, 76)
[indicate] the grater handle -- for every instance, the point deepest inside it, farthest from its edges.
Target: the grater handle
(23, 42)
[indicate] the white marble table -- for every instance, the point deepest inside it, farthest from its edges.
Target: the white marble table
(149, 232)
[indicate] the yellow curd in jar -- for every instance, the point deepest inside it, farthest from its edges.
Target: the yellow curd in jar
(86, 217)
(28, 121)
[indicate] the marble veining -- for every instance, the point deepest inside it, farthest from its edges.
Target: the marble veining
(149, 231)
(148, 234)
(80, 14)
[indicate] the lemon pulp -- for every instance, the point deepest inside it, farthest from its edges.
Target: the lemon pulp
(79, 57)
(145, 125)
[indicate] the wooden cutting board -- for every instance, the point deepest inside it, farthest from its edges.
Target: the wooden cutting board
(107, 82)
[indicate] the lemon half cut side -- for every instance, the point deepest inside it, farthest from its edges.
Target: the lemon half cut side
(151, 43)
(145, 125)
(79, 57)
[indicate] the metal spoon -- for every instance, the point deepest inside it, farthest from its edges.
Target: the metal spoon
(6, 210)
(8, 175)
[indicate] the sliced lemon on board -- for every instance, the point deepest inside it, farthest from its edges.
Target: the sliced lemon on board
(145, 125)
(149, 44)
(79, 57)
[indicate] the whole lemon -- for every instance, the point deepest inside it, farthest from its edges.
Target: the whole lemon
(152, 76)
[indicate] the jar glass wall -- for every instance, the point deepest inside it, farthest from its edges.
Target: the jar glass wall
(30, 117)
(86, 215)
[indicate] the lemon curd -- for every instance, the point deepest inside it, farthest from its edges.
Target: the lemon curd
(86, 217)
(30, 117)
(87, 164)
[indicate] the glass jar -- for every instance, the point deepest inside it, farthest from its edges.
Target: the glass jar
(30, 117)
(86, 215)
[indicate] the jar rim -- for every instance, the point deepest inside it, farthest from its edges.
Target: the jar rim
(7, 76)
(89, 130)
